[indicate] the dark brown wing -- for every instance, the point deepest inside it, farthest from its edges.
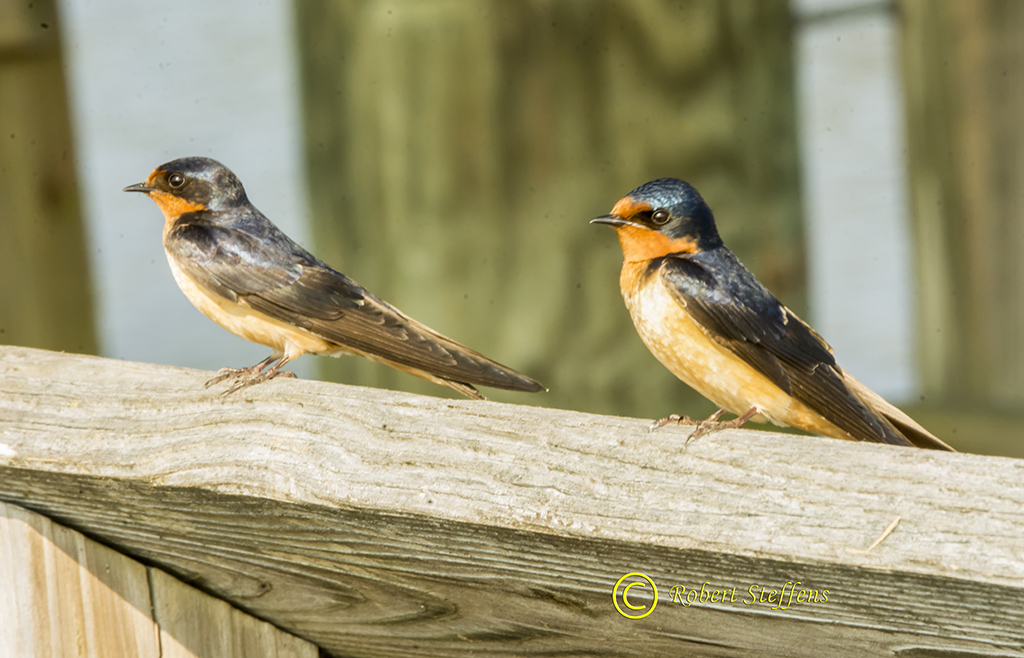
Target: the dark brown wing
(264, 269)
(742, 315)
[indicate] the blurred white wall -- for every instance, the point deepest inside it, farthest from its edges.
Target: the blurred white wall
(853, 161)
(151, 82)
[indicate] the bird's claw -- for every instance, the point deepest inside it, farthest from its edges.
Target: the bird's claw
(708, 425)
(670, 420)
(231, 373)
(257, 379)
(252, 375)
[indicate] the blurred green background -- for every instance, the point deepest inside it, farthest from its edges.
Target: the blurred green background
(456, 153)
(453, 153)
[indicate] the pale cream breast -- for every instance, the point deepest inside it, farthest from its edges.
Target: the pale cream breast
(690, 353)
(285, 339)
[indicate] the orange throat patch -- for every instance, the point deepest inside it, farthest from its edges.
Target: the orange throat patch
(640, 244)
(171, 206)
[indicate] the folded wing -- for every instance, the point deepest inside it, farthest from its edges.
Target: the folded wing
(277, 277)
(743, 316)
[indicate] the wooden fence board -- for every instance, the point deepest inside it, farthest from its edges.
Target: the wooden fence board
(377, 523)
(64, 595)
(196, 624)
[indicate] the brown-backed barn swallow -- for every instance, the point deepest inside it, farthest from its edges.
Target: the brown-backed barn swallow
(717, 328)
(246, 275)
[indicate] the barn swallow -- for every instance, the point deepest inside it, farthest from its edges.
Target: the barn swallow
(246, 275)
(709, 320)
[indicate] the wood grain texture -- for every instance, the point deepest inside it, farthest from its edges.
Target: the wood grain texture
(376, 523)
(66, 595)
(193, 623)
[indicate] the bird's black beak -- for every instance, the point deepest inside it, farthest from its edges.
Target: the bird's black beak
(138, 187)
(615, 220)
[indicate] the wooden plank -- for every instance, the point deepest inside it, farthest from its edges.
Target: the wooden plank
(376, 523)
(193, 623)
(67, 595)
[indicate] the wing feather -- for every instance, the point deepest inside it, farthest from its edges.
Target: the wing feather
(277, 277)
(743, 316)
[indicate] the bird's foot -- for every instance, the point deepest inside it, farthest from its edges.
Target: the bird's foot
(234, 373)
(252, 375)
(258, 378)
(712, 424)
(709, 424)
(674, 419)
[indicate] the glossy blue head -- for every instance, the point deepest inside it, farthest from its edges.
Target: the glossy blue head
(192, 184)
(663, 216)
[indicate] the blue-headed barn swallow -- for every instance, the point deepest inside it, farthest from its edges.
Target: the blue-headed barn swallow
(717, 328)
(246, 275)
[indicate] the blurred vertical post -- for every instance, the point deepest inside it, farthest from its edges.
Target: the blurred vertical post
(965, 89)
(457, 150)
(45, 297)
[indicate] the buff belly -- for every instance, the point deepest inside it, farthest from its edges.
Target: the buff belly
(690, 353)
(285, 339)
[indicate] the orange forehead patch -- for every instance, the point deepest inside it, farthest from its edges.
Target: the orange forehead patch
(641, 244)
(627, 207)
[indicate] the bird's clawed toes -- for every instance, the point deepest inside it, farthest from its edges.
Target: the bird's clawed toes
(708, 425)
(258, 378)
(674, 419)
(231, 373)
(712, 424)
(245, 377)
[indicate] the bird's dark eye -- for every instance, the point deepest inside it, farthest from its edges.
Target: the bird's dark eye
(660, 217)
(175, 180)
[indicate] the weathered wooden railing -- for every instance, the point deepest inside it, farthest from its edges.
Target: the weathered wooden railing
(375, 523)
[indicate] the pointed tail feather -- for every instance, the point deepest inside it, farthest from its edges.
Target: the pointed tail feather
(903, 423)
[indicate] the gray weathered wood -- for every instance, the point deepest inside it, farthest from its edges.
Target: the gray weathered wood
(64, 594)
(377, 523)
